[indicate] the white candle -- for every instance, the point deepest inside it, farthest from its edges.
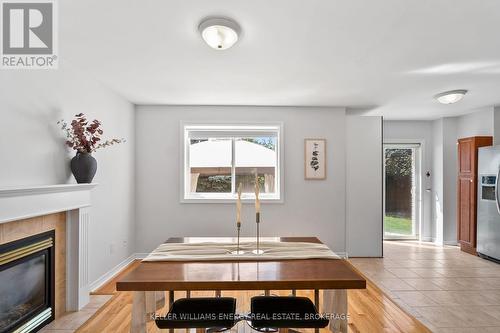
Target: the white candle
(257, 201)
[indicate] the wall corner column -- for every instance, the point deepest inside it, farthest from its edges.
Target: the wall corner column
(77, 265)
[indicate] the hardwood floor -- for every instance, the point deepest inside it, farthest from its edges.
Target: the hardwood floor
(370, 310)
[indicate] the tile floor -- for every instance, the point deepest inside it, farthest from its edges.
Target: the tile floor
(71, 321)
(444, 288)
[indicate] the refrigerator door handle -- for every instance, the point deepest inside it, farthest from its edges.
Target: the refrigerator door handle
(496, 191)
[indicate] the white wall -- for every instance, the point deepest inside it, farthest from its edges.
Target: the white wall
(477, 123)
(417, 132)
(33, 151)
(450, 162)
(437, 182)
(364, 186)
(496, 125)
(315, 208)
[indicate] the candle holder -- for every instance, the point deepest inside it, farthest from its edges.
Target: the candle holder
(257, 221)
(238, 251)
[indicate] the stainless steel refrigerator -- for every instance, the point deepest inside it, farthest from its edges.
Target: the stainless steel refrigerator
(488, 203)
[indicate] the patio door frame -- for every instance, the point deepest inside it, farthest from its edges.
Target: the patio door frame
(417, 197)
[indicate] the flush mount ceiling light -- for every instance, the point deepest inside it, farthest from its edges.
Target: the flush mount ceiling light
(450, 97)
(219, 33)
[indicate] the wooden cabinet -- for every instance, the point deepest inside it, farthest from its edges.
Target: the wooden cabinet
(466, 234)
(467, 190)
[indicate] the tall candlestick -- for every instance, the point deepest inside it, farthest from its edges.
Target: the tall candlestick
(238, 222)
(257, 201)
(257, 214)
(238, 206)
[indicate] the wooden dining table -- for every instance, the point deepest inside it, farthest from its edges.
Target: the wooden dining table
(151, 279)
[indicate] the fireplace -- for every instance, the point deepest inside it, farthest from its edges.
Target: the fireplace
(65, 208)
(27, 283)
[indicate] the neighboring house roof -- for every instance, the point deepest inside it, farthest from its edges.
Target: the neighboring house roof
(217, 153)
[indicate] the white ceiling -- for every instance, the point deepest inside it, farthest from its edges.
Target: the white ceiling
(386, 57)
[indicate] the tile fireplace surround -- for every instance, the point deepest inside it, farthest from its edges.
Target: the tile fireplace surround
(73, 199)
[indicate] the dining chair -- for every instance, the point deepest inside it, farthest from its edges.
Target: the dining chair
(282, 312)
(214, 314)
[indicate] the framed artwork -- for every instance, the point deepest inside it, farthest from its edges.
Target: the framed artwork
(315, 159)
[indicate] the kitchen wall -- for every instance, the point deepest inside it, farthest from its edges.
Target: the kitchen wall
(450, 163)
(477, 123)
(438, 199)
(496, 125)
(33, 151)
(440, 157)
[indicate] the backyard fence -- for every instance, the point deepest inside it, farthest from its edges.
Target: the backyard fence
(398, 196)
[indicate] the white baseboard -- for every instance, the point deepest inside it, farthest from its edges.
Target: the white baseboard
(112, 272)
(141, 255)
(434, 240)
(452, 242)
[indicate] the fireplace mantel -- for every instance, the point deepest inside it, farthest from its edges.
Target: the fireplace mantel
(23, 190)
(26, 202)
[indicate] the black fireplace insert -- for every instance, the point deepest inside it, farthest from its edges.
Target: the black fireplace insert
(27, 283)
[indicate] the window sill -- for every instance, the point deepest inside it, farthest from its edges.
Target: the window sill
(200, 200)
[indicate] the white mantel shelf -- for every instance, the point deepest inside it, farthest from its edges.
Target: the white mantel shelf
(18, 203)
(40, 189)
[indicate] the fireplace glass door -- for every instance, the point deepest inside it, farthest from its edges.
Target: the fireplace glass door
(26, 284)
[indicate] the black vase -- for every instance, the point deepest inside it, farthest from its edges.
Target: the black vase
(83, 167)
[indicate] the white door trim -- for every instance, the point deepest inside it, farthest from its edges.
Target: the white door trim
(419, 170)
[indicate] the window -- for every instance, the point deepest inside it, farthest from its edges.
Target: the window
(217, 159)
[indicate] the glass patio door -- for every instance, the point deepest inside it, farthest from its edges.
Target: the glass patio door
(401, 191)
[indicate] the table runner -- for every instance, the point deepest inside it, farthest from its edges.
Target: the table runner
(211, 251)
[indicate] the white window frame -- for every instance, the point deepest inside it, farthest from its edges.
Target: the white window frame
(227, 129)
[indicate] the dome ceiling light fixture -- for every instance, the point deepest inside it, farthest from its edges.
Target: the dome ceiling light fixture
(219, 33)
(450, 97)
